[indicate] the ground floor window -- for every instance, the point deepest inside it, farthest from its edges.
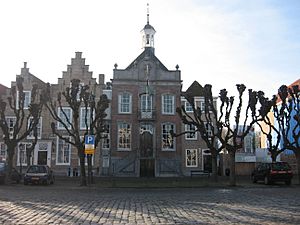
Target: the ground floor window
(63, 152)
(3, 151)
(191, 158)
(22, 153)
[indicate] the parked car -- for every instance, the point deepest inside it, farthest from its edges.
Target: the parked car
(272, 172)
(39, 174)
(15, 175)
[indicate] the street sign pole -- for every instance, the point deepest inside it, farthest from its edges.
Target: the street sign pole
(89, 151)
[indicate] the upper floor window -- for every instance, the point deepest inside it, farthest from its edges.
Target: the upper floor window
(65, 114)
(11, 121)
(209, 129)
(124, 136)
(85, 117)
(168, 104)
(27, 99)
(63, 154)
(168, 142)
(191, 132)
(125, 103)
(188, 107)
(39, 129)
(146, 103)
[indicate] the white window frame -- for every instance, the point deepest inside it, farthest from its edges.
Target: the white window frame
(125, 105)
(3, 151)
(165, 136)
(22, 159)
(146, 103)
(106, 137)
(80, 88)
(63, 118)
(27, 99)
(188, 136)
(82, 117)
(188, 107)
(58, 149)
(168, 105)
(126, 145)
(189, 159)
(11, 128)
(39, 127)
(208, 130)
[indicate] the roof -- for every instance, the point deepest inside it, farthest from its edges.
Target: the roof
(148, 26)
(195, 90)
(148, 52)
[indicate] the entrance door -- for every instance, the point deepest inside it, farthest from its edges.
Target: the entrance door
(147, 167)
(147, 162)
(42, 158)
(207, 163)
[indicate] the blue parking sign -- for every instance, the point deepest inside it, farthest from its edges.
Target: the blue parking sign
(89, 140)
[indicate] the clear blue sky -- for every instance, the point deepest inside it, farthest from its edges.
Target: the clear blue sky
(220, 42)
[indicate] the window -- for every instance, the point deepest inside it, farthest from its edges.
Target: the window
(146, 103)
(191, 158)
(106, 136)
(168, 106)
(146, 127)
(80, 86)
(65, 114)
(85, 117)
(63, 154)
(39, 129)
(188, 107)
(27, 99)
(190, 128)
(125, 103)
(208, 128)
(167, 139)
(22, 156)
(11, 121)
(124, 136)
(3, 151)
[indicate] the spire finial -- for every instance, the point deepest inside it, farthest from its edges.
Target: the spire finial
(147, 13)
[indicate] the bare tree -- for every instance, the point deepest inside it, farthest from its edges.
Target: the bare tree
(205, 122)
(25, 121)
(270, 130)
(287, 115)
(75, 97)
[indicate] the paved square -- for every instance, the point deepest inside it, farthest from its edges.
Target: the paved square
(258, 204)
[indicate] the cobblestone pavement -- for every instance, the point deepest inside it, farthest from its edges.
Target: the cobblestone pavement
(56, 204)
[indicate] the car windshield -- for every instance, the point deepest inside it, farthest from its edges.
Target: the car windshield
(280, 166)
(37, 169)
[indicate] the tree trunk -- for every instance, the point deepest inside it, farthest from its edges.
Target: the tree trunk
(232, 177)
(214, 167)
(10, 158)
(82, 171)
(273, 157)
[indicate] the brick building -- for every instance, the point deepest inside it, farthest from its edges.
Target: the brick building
(140, 120)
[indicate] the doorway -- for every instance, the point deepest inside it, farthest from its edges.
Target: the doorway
(206, 161)
(42, 158)
(147, 161)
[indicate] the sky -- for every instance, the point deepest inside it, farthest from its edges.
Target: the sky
(217, 42)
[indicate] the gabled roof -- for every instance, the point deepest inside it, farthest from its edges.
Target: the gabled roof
(195, 90)
(147, 53)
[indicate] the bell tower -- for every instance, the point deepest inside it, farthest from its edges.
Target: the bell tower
(148, 33)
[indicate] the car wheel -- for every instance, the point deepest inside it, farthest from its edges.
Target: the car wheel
(267, 180)
(288, 182)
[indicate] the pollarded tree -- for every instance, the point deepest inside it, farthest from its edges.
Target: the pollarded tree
(76, 97)
(234, 127)
(287, 115)
(16, 122)
(270, 130)
(205, 121)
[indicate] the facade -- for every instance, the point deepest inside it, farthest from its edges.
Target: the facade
(141, 118)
